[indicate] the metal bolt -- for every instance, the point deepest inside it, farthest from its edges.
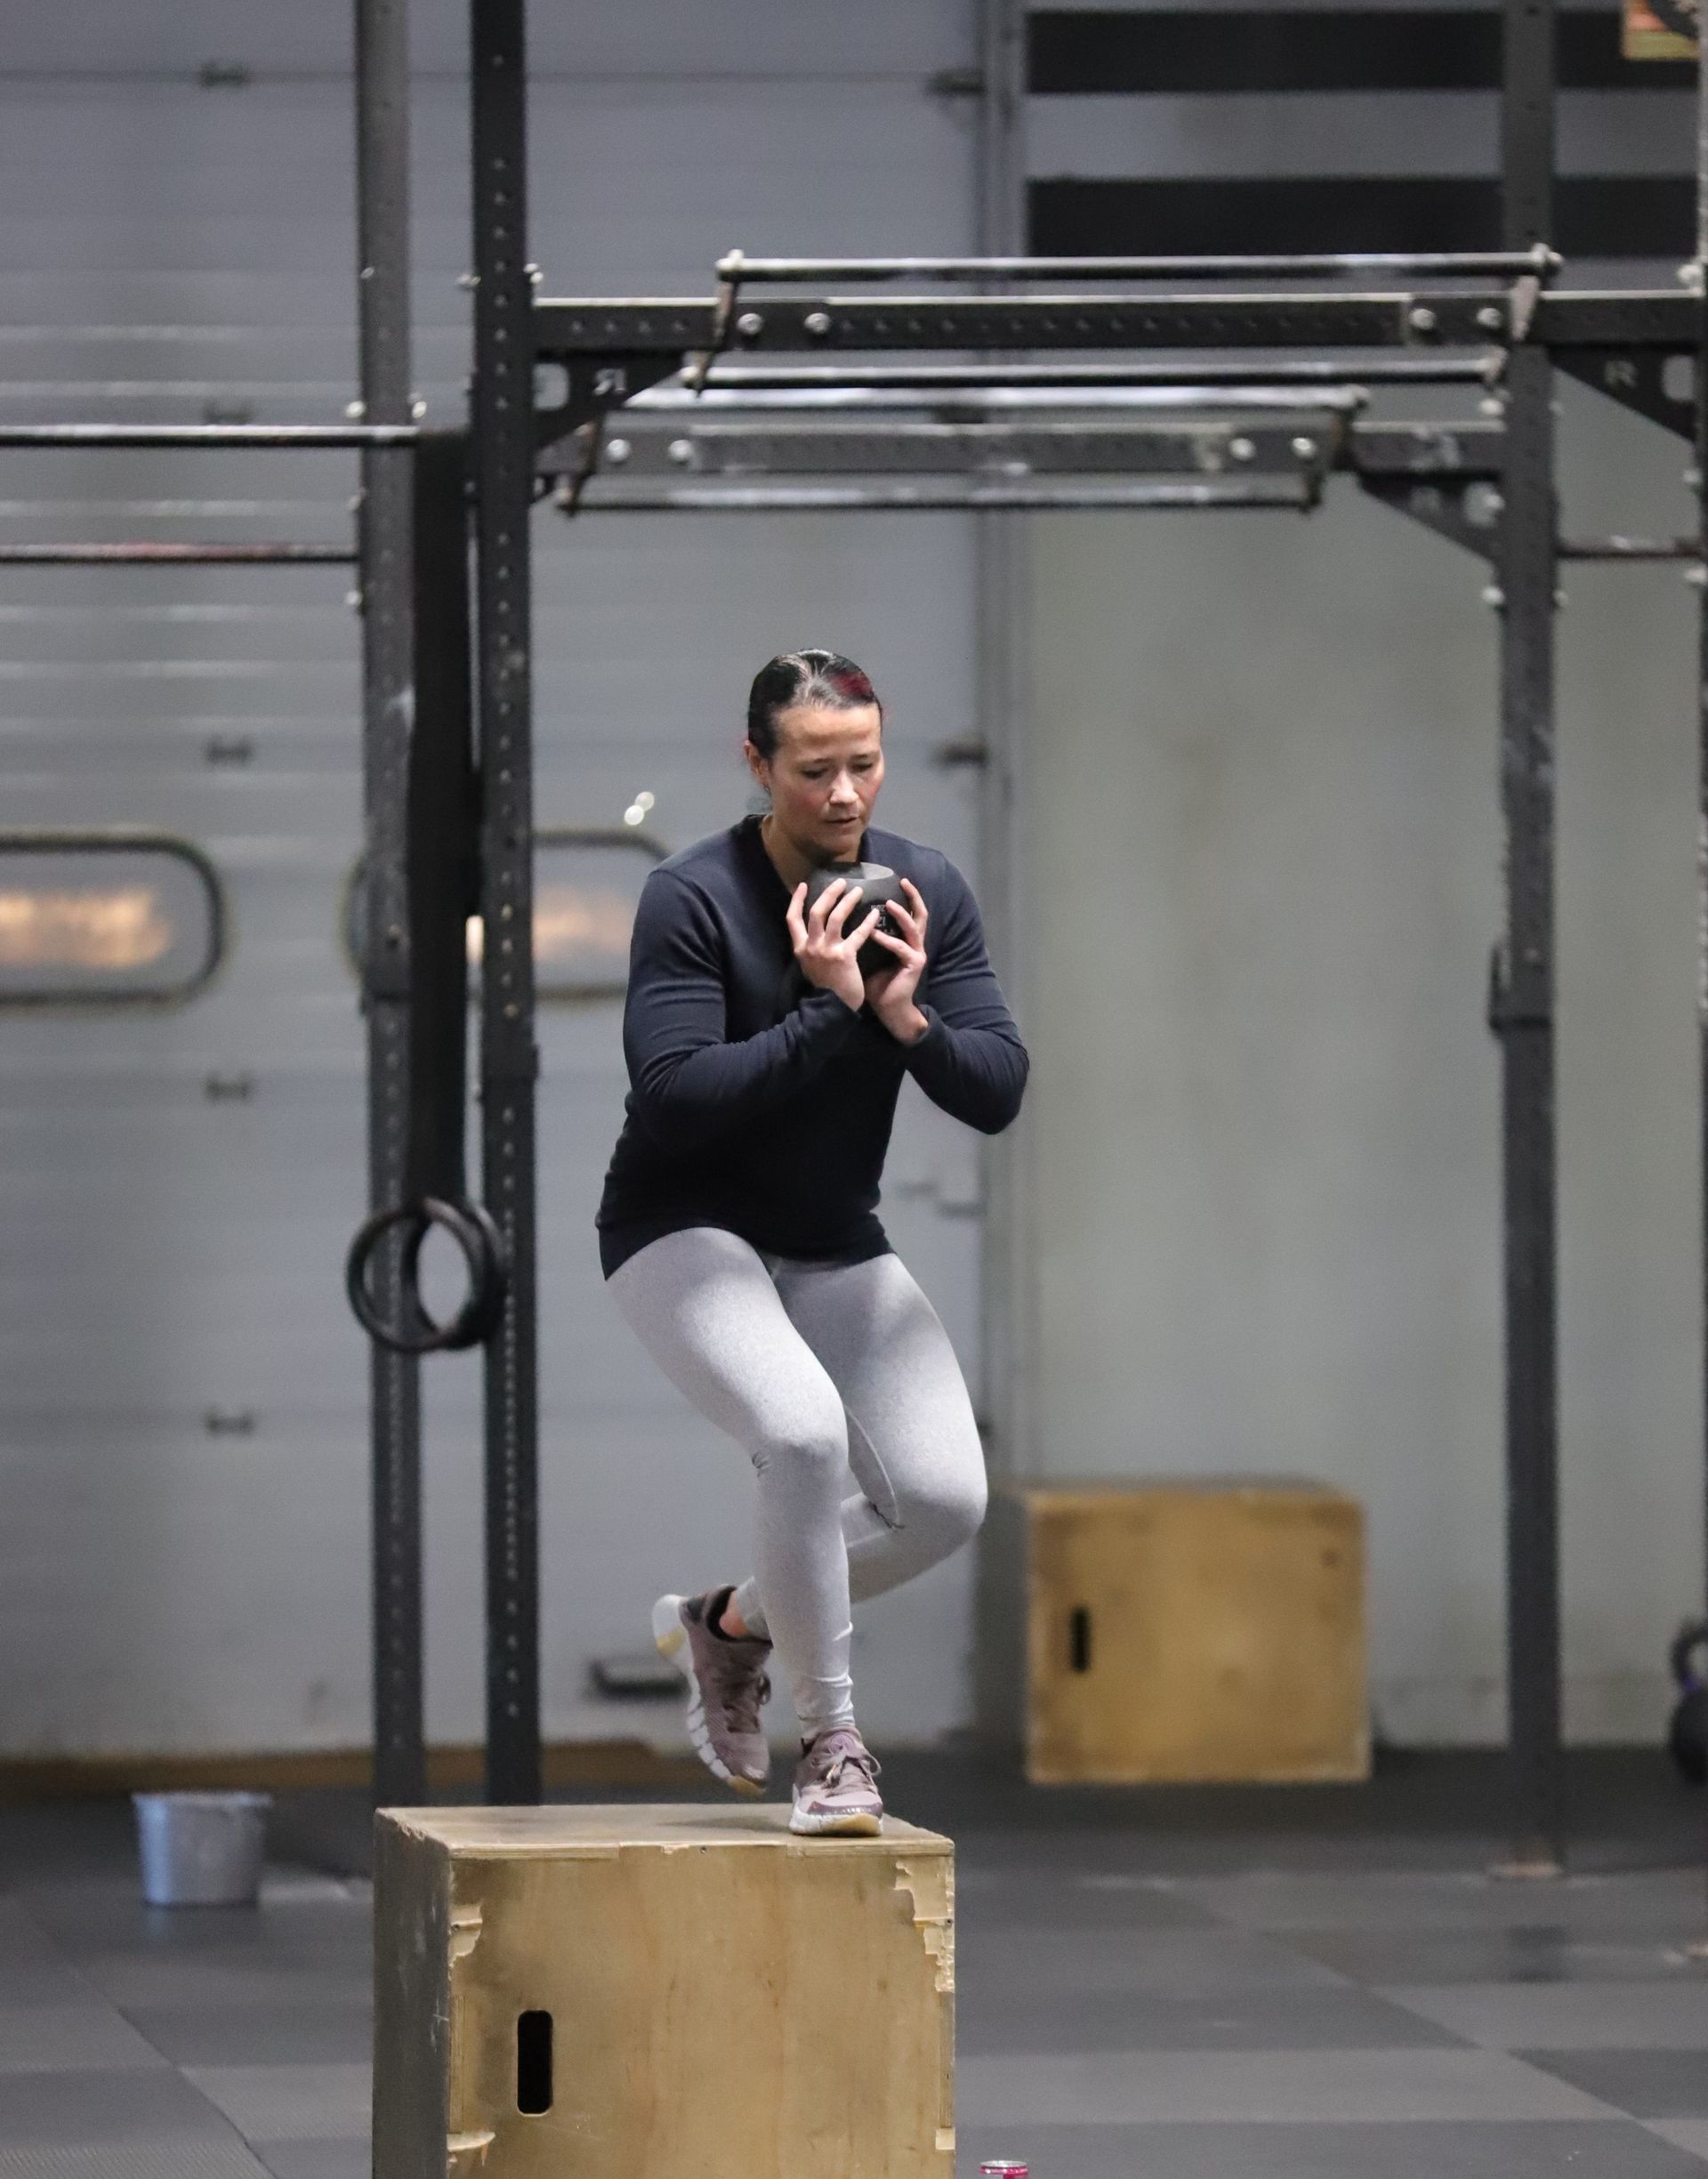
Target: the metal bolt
(417, 406)
(1697, 575)
(355, 410)
(750, 325)
(817, 323)
(1490, 319)
(618, 451)
(680, 451)
(1491, 404)
(1304, 447)
(534, 273)
(1560, 600)
(1423, 319)
(353, 600)
(468, 279)
(1241, 450)
(1494, 595)
(1692, 478)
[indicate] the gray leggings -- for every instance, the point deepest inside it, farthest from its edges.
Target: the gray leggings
(817, 1368)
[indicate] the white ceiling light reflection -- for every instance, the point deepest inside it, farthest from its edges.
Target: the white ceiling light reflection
(106, 918)
(587, 880)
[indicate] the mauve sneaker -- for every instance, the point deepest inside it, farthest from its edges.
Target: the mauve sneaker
(729, 1688)
(835, 1787)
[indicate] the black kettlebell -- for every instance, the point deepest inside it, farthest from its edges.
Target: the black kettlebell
(879, 887)
(1687, 1740)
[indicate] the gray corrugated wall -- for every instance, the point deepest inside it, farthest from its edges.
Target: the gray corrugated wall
(162, 1255)
(1269, 1179)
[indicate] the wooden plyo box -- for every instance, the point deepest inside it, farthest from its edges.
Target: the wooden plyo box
(1193, 1634)
(660, 1993)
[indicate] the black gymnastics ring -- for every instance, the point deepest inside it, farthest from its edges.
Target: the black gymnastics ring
(472, 1230)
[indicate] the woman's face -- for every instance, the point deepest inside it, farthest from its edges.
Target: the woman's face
(825, 776)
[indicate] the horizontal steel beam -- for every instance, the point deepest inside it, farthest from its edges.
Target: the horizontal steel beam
(686, 444)
(1424, 322)
(909, 447)
(151, 553)
(1442, 318)
(253, 435)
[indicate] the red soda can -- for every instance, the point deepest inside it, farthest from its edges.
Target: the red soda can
(1001, 2168)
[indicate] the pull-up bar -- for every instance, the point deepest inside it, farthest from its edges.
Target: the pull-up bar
(1220, 371)
(945, 496)
(1630, 549)
(1539, 262)
(994, 398)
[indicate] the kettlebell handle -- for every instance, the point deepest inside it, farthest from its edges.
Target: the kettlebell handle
(1688, 1655)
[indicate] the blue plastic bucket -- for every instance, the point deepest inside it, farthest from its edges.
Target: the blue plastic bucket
(201, 1848)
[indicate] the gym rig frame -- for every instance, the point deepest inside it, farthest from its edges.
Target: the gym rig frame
(1070, 407)
(1279, 331)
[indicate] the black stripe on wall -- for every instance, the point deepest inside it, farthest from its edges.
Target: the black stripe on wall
(1319, 49)
(1619, 215)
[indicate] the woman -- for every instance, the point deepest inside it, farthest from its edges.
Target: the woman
(738, 1228)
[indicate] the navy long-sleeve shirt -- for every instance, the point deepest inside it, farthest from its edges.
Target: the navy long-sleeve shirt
(762, 1105)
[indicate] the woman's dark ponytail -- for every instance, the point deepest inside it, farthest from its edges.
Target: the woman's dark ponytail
(803, 677)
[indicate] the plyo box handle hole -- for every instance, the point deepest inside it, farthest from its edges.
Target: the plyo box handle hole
(1079, 1639)
(533, 2064)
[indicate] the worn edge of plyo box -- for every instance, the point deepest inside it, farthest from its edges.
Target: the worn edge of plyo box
(928, 1885)
(412, 1951)
(465, 2147)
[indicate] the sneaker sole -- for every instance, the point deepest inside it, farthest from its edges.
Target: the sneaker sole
(853, 1825)
(670, 1639)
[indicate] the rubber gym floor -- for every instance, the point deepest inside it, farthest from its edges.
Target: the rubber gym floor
(1172, 1985)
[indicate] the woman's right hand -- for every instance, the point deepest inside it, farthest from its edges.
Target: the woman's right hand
(827, 950)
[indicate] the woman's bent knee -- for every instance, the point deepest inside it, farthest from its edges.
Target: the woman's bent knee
(809, 1449)
(950, 1510)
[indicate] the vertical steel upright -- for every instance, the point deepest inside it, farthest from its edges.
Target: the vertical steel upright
(502, 447)
(1007, 1263)
(1523, 995)
(1700, 572)
(385, 585)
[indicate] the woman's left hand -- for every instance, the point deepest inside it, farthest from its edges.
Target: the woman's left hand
(889, 990)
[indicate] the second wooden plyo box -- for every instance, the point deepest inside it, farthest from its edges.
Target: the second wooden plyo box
(660, 1993)
(1178, 1632)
